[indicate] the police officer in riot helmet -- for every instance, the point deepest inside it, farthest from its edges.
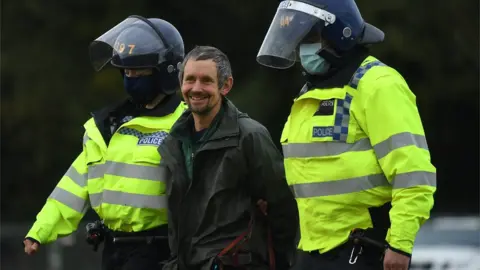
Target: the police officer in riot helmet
(116, 173)
(148, 53)
(348, 220)
(325, 35)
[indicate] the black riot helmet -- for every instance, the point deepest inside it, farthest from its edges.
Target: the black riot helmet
(139, 43)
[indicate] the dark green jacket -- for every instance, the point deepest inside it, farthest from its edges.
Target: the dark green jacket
(234, 168)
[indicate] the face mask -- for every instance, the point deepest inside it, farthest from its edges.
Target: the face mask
(313, 63)
(142, 89)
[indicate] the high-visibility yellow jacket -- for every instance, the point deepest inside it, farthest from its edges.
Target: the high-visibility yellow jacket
(120, 180)
(359, 146)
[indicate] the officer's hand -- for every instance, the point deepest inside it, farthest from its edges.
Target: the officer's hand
(263, 206)
(395, 261)
(30, 246)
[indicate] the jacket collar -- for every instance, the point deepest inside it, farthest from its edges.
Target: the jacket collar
(228, 123)
(342, 75)
(167, 106)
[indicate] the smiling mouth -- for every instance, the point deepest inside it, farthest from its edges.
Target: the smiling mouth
(197, 98)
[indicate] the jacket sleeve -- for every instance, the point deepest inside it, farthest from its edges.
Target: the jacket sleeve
(65, 206)
(167, 176)
(267, 176)
(393, 124)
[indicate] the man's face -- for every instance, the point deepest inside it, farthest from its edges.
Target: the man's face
(200, 86)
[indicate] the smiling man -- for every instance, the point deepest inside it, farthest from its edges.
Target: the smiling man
(223, 170)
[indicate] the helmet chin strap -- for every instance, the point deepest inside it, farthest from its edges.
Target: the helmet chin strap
(334, 59)
(337, 61)
(155, 101)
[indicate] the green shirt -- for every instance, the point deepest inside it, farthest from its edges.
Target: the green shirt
(196, 139)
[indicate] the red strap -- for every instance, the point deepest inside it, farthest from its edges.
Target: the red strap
(233, 243)
(271, 252)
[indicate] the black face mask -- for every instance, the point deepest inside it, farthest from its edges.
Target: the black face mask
(143, 89)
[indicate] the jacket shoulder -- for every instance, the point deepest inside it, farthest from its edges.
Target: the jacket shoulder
(167, 147)
(371, 72)
(248, 126)
(169, 139)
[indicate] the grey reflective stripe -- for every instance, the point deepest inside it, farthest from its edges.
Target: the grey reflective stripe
(339, 186)
(412, 179)
(95, 199)
(322, 149)
(69, 199)
(79, 179)
(129, 199)
(154, 173)
(399, 140)
(85, 138)
(96, 171)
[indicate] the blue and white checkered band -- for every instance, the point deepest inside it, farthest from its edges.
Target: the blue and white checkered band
(155, 138)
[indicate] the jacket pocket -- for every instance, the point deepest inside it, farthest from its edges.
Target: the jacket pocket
(322, 121)
(147, 155)
(147, 160)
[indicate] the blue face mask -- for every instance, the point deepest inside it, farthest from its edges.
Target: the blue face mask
(142, 89)
(313, 63)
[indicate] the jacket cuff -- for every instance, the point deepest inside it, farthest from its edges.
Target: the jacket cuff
(38, 233)
(402, 241)
(32, 239)
(399, 251)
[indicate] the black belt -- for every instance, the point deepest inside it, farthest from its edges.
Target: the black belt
(148, 236)
(333, 252)
(137, 239)
(359, 243)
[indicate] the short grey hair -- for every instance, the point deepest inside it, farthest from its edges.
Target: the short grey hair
(224, 69)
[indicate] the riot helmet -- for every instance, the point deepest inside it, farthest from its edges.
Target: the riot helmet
(337, 22)
(140, 43)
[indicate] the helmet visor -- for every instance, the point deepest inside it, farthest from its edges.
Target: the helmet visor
(291, 24)
(130, 44)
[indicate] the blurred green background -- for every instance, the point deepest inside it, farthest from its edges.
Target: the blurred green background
(48, 86)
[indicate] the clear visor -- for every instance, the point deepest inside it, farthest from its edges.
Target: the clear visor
(123, 42)
(291, 24)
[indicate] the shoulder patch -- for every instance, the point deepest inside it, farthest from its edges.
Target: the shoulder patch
(361, 71)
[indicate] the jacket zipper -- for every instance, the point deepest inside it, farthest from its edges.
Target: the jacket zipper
(191, 180)
(192, 156)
